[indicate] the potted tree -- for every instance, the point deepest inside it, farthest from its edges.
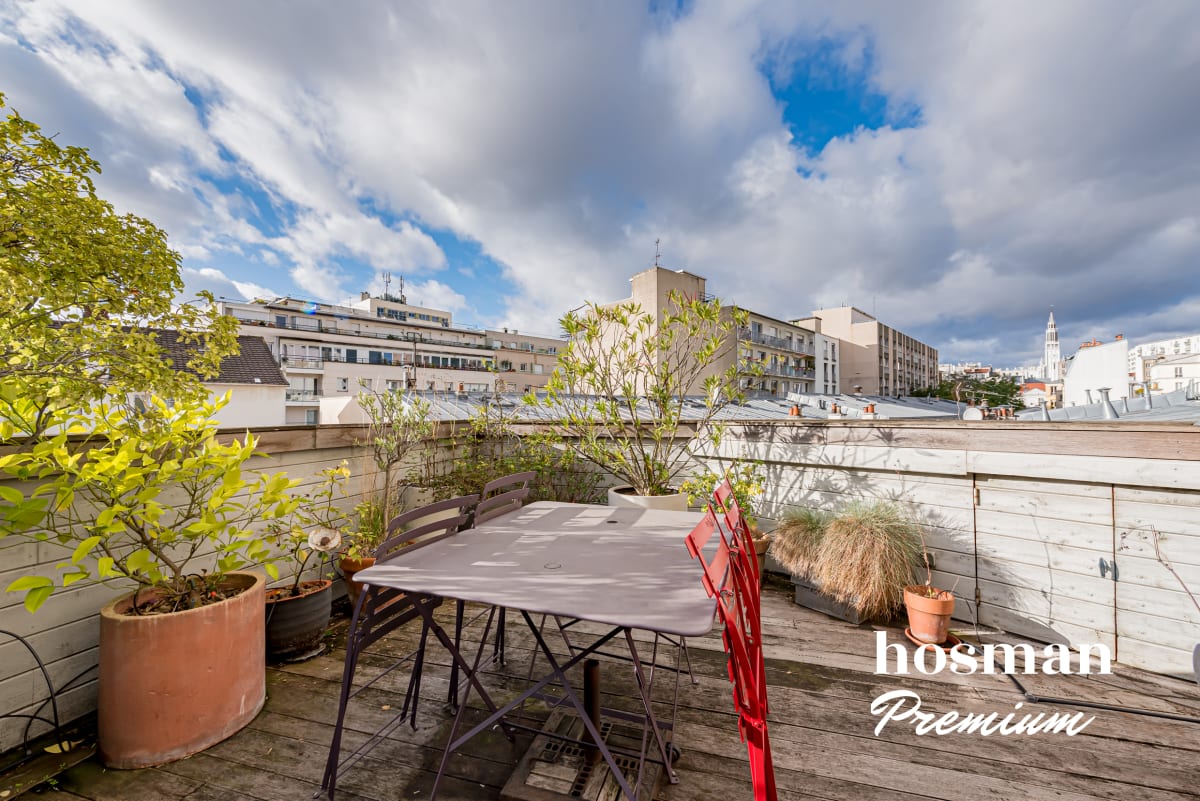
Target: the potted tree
(633, 393)
(150, 500)
(193, 614)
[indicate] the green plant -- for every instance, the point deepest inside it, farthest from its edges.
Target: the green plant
(744, 479)
(367, 530)
(488, 447)
(797, 540)
(110, 499)
(315, 525)
(868, 555)
(82, 290)
(621, 387)
(398, 424)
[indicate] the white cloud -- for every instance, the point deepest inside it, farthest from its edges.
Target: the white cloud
(1054, 161)
(221, 285)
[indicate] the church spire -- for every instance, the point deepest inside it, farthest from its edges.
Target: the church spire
(1052, 357)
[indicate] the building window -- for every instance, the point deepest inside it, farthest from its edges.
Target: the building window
(310, 417)
(1178, 374)
(343, 384)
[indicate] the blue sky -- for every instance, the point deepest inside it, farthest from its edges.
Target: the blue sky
(956, 167)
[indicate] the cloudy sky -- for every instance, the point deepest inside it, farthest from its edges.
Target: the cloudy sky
(956, 167)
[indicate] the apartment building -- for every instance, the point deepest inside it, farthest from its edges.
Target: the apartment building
(876, 359)
(378, 343)
(524, 362)
(794, 359)
(1174, 373)
(1143, 356)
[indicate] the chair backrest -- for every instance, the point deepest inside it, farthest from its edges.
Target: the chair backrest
(716, 570)
(739, 528)
(731, 576)
(503, 495)
(425, 524)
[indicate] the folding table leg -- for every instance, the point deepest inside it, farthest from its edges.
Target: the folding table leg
(644, 689)
(462, 707)
(592, 729)
(329, 781)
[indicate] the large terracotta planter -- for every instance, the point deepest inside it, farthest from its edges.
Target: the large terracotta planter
(349, 565)
(623, 496)
(928, 618)
(296, 624)
(172, 685)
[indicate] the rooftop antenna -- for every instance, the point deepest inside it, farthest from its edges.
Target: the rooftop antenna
(657, 252)
(387, 282)
(403, 299)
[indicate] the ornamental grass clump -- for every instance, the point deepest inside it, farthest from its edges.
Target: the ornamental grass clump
(798, 538)
(869, 554)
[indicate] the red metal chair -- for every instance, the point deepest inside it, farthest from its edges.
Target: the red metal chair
(727, 576)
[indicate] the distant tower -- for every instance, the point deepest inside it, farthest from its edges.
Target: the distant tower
(1052, 357)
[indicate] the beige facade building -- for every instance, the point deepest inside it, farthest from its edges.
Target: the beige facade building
(794, 359)
(875, 358)
(378, 344)
(524, 362)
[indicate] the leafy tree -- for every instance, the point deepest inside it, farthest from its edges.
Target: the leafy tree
(996, 391)
(624, 381)
(397, 425)
(82, 290)
(82, 287)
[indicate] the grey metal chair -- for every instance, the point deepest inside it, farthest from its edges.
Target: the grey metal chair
(381, 610)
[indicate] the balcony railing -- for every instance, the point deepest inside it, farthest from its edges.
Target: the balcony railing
(303, 362)
(791, 372)
(479, 367)
(748, 335)
(321, 327)
(303, 396)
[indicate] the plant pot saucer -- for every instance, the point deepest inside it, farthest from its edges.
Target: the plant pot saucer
(950, 642)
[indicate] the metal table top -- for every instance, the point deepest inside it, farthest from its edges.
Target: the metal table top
(619, 566)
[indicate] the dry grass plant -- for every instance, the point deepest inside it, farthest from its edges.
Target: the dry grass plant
(797, 540)
(869, 553)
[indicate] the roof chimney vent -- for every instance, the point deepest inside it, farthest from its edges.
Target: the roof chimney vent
(1108, 411)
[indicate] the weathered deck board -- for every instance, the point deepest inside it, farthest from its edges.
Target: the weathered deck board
(822, 684)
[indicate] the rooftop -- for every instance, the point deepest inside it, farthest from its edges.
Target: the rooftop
(253, 365)
(822, 683)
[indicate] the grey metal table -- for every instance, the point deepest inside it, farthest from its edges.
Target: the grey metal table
(627, 568)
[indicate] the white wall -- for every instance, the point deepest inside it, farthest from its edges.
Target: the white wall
(250, 405)
(1164, 378)
(1021, 514)
(1105, 365)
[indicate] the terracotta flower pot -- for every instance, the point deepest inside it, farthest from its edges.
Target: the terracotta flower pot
(172, 685)
(296, 623)
(349, 565)
(928, 618)
(761, 543)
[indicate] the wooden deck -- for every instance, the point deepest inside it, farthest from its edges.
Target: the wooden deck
(822, 681)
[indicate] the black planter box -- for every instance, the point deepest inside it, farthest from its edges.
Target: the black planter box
(808, 594)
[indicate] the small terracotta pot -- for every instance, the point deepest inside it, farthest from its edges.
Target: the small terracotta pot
(928, 618)
(349, 565)
(761, 543)
(172, 685)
